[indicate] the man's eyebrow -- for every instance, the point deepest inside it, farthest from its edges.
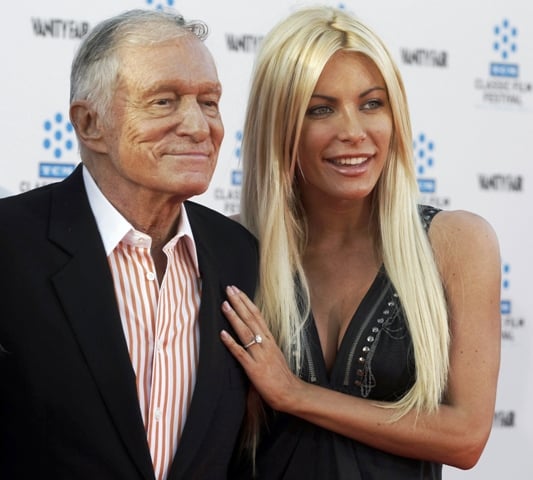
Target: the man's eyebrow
(208, 87)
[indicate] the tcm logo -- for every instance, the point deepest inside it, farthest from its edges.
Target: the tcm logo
(424, 151)
(505, 305)
(503, 87)
(504, 45)
(512, 323)
(228, 197)
(59, 140)
(236, 175)
(160, 5)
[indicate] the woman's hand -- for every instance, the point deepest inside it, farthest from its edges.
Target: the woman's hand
(258, 352)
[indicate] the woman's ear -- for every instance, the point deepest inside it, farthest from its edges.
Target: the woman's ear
(88, 126)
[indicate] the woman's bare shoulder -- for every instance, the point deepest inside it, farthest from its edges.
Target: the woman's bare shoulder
(460, 237)
(462, 225)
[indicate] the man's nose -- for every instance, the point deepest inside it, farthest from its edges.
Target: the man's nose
(192, 120)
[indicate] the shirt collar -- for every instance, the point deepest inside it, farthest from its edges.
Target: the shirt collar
(114, 228)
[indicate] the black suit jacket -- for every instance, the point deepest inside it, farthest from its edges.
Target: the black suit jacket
(68, 401)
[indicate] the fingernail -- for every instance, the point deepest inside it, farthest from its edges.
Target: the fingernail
(230, 289)
(226, 306)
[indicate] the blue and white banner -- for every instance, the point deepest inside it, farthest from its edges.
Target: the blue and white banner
(468, 69)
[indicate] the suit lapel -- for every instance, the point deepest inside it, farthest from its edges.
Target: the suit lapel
(85, 288)
(211, 371)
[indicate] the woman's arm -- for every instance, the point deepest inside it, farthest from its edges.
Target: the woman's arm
(467, 253)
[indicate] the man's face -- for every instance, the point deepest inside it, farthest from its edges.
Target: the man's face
(163, 131)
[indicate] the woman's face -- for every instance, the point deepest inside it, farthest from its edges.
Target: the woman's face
(346, 132)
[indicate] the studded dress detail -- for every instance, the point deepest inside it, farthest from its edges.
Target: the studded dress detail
(374, 361)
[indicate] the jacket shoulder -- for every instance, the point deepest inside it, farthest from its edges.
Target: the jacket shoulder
(204, 218)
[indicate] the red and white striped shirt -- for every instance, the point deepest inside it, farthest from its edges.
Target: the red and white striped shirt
(160, 322)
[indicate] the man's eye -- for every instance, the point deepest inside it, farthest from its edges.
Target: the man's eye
(210, 107)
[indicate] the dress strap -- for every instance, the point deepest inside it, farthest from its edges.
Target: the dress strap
(427, 212)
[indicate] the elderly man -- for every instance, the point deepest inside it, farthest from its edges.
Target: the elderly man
(111, 365)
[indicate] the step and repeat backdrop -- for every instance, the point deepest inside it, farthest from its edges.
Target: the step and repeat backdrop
(468, 68)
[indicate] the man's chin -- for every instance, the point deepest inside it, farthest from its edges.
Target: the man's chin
(194, 189)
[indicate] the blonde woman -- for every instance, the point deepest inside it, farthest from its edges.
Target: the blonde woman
(376, 339)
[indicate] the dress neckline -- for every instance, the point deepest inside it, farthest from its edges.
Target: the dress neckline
(357, 325)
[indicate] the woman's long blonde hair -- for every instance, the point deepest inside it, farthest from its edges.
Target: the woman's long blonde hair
(288, 65)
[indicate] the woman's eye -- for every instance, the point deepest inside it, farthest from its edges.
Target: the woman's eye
(319, 110)
(372, 104)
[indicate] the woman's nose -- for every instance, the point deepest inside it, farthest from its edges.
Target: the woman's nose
(352, 128)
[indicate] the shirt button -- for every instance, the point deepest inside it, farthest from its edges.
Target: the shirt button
(157, 414)
(150, 276)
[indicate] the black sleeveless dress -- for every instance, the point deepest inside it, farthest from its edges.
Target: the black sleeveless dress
(374, 361)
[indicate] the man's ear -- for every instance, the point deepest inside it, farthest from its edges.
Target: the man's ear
(88, 126)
